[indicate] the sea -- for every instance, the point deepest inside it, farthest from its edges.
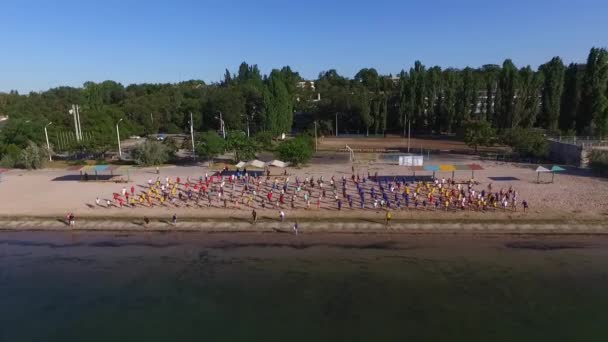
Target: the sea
(58, 286)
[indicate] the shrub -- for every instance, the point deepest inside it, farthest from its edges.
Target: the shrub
(527, 142)
(151, 153)
(264, 139)
(598, 161)
(10, 156)
(32, 157)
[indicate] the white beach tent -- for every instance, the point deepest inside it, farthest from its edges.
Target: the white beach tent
(278, 163)
(240, 165)
(540, 170)
(257, 163)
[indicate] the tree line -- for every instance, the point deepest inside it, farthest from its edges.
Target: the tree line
(560, 99)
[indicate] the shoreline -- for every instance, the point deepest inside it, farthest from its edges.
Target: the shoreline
(523, 224)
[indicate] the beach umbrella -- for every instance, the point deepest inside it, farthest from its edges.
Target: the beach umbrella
(539, 170)
(555, 169)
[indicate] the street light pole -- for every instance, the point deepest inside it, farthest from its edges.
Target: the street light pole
(118, 138)
(79, 126)
(336, 124)
(192, 136)
(316, 143)
(73, 112)
(409, 133)
(223, 126)
(48, 146)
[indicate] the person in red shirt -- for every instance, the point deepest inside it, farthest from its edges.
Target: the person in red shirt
(132, 190)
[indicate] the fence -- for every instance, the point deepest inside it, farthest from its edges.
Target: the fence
(582, 141)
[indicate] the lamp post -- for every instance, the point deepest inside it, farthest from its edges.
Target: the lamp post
(222, 126)
(192, 136)
(409, 134)
(316, 144)
(118, 138)
(48, 146)
(336, 123)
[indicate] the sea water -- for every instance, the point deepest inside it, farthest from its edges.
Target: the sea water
(278, 287)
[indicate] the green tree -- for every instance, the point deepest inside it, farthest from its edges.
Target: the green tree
(244, 148)
(552, 90)
(527, 142)
(479, 133)
(418, 102)
(264, 140)
(466, 103)
(210, 145)
(490, 74)
(571, 97)
(10, 156)
(527, 101)
(278, 104)
(593, 111)
(296, 151)
(449, 99)
(505, 95)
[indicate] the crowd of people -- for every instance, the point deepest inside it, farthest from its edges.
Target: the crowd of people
(241, 190)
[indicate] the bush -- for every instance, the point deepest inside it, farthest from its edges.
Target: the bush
(296, 151)
(598, 161)
(151, 153)
(527, 142)
(171, 144)
(264, 139)
(32, 157)
(10, 156)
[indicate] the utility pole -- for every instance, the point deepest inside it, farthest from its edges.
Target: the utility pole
(118, 137)
(409, 133)
(192, 136)
(79, 126)
(222, 126)
(46, 134)
(336, 124)
(316, 144)
(404, 123)
(73, 112)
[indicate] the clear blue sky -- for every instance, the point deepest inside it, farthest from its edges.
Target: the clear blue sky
(49, 43)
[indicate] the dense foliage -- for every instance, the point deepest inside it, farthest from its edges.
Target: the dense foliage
(429, 99)
(296, 151)
(527, 142)
(479, 133)
(152, 153)
(598, 161)
(243, 147)
(210, 145)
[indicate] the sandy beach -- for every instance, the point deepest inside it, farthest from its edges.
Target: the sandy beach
(575, 201)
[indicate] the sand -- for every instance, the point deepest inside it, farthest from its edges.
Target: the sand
(32, 199)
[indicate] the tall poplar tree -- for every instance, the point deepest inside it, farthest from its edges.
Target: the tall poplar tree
(553, 87)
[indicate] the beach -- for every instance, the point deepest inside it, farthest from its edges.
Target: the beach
(37, 199)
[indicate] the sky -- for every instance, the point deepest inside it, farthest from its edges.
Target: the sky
(45, 44)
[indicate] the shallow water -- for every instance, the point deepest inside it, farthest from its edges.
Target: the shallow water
(278, 287)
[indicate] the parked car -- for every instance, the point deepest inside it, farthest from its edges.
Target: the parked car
(160, 137)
